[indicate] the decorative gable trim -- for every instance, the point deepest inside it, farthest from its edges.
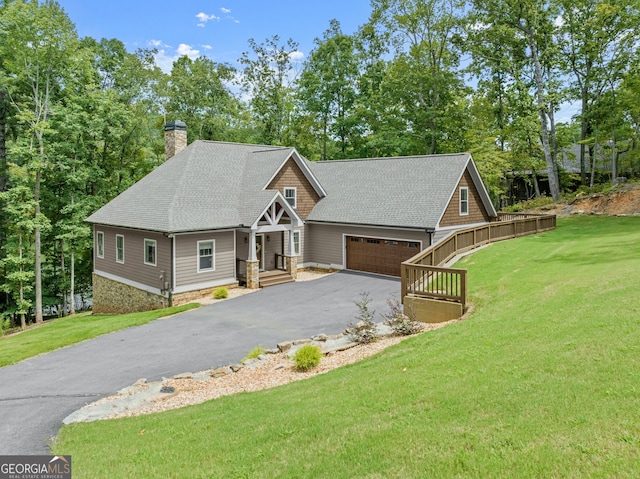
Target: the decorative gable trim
(305, 171)
(273, 217)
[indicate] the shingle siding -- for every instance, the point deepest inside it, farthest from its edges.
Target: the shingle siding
(327, 247)
(290, 175)
(187, 258)
(477, 211)
(133, 268)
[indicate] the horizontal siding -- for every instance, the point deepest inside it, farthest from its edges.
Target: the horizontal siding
(326, 245)
(133, 267)
(187, 258)
(303, 249)
(477, 211)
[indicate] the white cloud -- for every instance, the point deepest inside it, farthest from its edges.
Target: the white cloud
(225, 10)
(204, 18)
(206, 47)
(296, 56)
(188, 50)
(559, 21)
(157, 44)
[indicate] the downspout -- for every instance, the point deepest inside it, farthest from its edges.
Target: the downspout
(173, 269)
(430, 232)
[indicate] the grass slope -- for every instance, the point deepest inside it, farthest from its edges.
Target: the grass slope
(542, 381)
(63, 332)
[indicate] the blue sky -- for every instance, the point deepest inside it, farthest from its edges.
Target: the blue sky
(216, 29)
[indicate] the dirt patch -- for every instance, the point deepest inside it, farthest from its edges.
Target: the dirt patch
(623, 200)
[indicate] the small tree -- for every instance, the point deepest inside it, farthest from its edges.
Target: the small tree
(364, 331)
(401, 320)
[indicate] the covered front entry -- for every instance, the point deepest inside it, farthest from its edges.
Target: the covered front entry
(377, 255)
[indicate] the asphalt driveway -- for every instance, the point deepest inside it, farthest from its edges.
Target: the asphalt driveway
(38, 393)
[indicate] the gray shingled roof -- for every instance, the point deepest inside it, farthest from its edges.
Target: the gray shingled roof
(410, 191)
(214, 185)
(206, 186)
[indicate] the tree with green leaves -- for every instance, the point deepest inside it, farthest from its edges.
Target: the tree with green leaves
(197, 92)
(423, 78)
(38, 49)
(327, 92)
(268, 79)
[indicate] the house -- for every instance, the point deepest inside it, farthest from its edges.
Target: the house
(219, 213)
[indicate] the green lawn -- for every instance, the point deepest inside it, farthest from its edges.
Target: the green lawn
(62, 332)
(541, 381)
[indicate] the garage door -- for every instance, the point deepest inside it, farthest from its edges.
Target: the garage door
(376, 255)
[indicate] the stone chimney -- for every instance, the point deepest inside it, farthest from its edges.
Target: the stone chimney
(175, 138)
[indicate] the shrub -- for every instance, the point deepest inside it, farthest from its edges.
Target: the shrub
(220, 293)
(254, 353)
(5, 325)
(364, 331)
(307, 357)
(401, 320)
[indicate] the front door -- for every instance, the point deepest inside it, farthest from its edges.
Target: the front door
(260, 251)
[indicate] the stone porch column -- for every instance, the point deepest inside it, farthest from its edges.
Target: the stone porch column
(291, 263)
(290, 259)
(253, 274)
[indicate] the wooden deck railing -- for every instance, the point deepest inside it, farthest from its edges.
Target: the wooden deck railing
(424, 275)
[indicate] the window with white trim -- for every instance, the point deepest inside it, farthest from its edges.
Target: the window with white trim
(290, 196)
(206, 251)
(464, 201)
(296, 243)
(100, 244)
(119, 249)
(150, 252)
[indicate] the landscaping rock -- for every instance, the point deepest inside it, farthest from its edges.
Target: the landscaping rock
(320, 337)
(183, 376)
(236, 367)
(285, 346)
(262, 357)
(298, 342)
(218, 373)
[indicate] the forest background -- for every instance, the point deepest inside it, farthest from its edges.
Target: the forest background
(81, 119)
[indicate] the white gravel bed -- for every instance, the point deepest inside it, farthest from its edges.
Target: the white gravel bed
(274, 371)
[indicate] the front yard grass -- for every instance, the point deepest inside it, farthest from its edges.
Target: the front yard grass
(541, 381)
(62, 332)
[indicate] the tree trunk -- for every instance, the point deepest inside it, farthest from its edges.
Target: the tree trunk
(38, 258)
(64, 290)
(542, 110)
(3, 141)
(23, 321)
(72, 299)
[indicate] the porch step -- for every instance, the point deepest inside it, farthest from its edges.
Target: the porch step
(271, 278)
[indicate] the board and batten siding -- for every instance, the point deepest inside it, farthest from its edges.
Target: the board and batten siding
(326, 245)
(477, 211)
(290, 175)
(186, 250)
(134, 267)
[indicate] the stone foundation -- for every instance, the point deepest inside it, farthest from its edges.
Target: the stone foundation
(113, 297)
(188, 296)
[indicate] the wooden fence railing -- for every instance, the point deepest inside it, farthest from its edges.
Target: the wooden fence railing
(424, 274)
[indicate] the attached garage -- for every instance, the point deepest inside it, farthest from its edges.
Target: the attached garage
(377, 255)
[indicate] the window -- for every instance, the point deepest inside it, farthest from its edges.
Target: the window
(290, 196)
(464, 201)
(296, 243)
(119, 249)
(205, 256)
(150, 252)
(100, 244)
